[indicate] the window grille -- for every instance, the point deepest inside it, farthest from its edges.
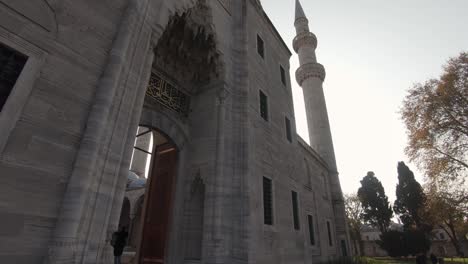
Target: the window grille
(260, 47)
(330, 240)
(283, 75)
(167, 94)
(267, 201)
(311, 230)
(295, 210)
(288, 129)
(263, 106)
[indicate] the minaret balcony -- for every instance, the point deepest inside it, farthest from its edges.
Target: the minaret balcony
(305, 39)
(310, 70)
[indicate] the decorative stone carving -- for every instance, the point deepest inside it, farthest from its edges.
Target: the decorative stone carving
(190, 37)
(305, 39)
(310, 70)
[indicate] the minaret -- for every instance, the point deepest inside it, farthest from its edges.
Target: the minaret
(310, 77)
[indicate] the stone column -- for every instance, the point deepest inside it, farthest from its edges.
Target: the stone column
(119, 188)
(219, 236)
(215, 239)
(64, 245)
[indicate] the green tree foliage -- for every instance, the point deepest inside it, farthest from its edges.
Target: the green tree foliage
(376, 208)
(410, 200)
(436, 117)
(417, 241)
(354, 211)
(394, 243)
(404, 243)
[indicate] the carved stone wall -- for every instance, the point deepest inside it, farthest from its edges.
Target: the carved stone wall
(40, 13)
(44, 137)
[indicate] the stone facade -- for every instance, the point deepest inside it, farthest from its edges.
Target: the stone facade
(68, 131)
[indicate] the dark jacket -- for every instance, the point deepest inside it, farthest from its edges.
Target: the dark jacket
(119, 240)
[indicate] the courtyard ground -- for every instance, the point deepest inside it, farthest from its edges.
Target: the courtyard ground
(409, 260)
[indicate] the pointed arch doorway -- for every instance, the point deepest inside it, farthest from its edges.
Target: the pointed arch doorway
(159, 156)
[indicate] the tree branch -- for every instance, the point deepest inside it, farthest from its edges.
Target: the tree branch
(450, 157)
(454, 119)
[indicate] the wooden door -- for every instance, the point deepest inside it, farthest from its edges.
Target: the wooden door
(159, 205)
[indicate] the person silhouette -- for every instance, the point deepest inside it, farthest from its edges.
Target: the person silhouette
(118, 242)
(433, 258)
(421, 258)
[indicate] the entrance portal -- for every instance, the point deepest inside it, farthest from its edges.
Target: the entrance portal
(187, 67)
(152, 180)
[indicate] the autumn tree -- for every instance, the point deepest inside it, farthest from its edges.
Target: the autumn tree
(436, 117)
(376, 208)
(354, 212)
(410, 200)
(449, 211)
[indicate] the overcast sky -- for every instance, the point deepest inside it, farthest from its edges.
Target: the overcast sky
(373, 51)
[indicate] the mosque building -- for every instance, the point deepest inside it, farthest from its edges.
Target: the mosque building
(172, 118)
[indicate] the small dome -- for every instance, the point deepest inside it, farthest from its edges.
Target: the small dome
(132, 176)
(135, 182)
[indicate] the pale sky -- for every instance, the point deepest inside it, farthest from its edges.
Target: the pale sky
(373, 51)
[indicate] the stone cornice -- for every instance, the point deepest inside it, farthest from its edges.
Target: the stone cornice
(306, 38)
(310, 70)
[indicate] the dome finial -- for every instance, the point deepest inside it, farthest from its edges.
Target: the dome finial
(299, 10)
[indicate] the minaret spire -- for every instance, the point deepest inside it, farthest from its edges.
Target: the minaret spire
(310, 77)
(299, 11)
(301, 22)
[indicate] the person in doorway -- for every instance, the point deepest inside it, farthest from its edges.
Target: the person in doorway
(118, 242)
(421, 259)
(433, 258)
